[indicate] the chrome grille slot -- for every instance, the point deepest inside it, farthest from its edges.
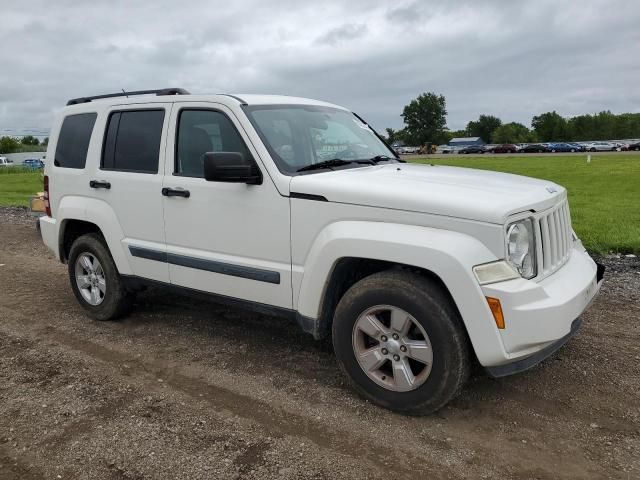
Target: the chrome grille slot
(555, 237)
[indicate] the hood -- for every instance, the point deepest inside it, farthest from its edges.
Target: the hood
(450, 191)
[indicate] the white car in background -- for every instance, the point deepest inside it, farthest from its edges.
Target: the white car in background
(601, 147)
(5, 162)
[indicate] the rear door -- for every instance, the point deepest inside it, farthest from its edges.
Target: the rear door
(230, 239)
(129, 180)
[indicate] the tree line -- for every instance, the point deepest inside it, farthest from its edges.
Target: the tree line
(425, 122)
(13, 145)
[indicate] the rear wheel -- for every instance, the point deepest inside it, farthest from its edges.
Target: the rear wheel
(95, 280)
(401, 342)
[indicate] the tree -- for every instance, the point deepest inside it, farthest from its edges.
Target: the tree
(45, 142)
(391, 135)
(9, 145)
(425, 119)
(30, 140)
(550, 126)
(513, 132)
(483, 127)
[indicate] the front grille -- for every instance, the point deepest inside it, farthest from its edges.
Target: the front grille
(556, 238)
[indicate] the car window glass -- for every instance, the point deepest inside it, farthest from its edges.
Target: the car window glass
(132, 141)
(200, 132)
(73, 140)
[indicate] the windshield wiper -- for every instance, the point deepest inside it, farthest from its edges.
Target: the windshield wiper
(385, 158)
(334, 162)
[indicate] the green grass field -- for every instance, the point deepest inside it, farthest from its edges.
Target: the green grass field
(17, 185)
(604, 195)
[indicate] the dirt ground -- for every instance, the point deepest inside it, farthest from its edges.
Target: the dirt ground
(189, 389)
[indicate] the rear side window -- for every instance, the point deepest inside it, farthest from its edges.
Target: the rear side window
(132, 141)
(73, 140)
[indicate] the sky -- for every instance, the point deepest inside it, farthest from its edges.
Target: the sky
(509, 58)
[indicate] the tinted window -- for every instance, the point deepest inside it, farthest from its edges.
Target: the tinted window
(202, 131)
(73, 141)
(132, 141)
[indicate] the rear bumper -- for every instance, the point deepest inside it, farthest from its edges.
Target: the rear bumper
(49, 232)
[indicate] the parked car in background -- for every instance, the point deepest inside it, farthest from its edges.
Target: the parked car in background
(601, 147)
(473, 149)
(564, 147)
(634, 146)
(5, 162)
(33, 163)
(409, 150)
(621, 146)
(505, 148)
(535, 148)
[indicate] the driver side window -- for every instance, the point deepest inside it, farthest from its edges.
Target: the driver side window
(200, 132)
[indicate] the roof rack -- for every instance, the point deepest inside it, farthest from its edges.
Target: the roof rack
(162, 91)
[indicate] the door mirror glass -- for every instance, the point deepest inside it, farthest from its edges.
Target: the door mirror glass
(230, 167)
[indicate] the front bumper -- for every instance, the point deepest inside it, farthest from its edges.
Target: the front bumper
(541, 316)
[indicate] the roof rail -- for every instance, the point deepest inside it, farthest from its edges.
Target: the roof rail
(162, 91)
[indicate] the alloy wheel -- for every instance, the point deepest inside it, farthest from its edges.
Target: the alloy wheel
(392, 348)
(90, 279)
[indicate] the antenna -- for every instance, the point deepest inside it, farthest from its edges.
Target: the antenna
(125, 93)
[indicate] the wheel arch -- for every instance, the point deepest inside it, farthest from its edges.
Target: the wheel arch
(81, 215)
(347, 251)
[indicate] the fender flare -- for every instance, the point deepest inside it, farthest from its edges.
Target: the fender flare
(102, 215)
(449, 255)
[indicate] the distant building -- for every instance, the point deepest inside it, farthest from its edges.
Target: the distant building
(465, 141)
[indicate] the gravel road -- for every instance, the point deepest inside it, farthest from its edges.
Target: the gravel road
(190, 389)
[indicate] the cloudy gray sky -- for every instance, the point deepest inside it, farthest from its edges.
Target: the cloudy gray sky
(510, 58)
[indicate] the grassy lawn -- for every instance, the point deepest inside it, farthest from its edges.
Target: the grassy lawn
(604, 195)
(16, 186)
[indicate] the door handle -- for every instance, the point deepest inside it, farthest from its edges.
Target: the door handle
(175, 192)
(99, 184)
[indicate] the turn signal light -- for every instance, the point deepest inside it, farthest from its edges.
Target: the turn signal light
(496, 310)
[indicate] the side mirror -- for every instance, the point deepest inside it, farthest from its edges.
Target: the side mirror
(230, 167)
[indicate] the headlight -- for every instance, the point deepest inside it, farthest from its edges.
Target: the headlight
(521, 247)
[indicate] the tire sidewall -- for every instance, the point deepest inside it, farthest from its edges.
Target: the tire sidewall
(436, 321)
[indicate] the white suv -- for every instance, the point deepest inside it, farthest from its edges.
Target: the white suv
(297, 208)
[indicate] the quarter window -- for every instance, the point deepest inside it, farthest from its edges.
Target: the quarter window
(202, 131)
(132, 141)
(73, 140)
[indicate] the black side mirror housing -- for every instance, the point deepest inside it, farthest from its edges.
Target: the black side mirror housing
(230, 167)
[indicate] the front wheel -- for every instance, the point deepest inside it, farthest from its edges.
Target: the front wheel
(95, 280)
(401, 342)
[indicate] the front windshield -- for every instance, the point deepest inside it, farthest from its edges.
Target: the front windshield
(301, 135)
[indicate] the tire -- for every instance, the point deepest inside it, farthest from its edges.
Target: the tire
(636, 149)
(553, 151)
(114, 301)
(592, 149)
(573, 150)
(429, 309)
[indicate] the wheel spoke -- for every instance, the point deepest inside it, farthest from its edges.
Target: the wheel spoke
(102, 285)
(97, 268)
(371, 359)
(371, 326)
(402, 375)
(83, 281)
(95, 295)
(419, 350)
(86, 263)
(400, 321)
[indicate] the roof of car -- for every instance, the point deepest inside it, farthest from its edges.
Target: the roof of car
(169, 96)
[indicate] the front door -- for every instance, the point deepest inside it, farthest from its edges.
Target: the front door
(230, 239)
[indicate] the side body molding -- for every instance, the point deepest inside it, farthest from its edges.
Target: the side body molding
(449, 255)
